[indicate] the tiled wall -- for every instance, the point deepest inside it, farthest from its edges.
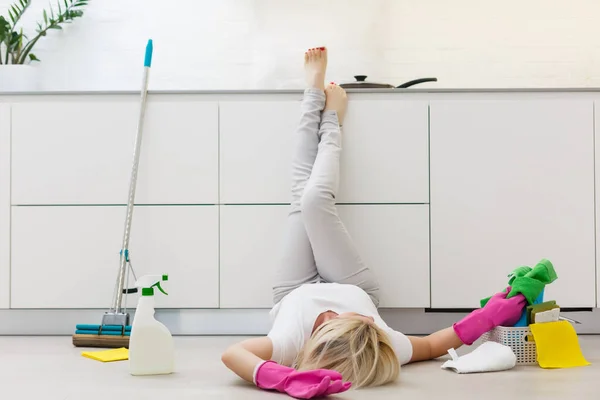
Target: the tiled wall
(246, 44)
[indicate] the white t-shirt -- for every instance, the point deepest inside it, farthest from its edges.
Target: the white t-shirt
(294, 317)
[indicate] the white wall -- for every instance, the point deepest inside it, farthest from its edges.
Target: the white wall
(246, 44)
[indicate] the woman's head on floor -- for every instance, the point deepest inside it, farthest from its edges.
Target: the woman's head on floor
(354, 346)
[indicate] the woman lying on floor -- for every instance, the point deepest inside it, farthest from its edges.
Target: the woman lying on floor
(327, 333)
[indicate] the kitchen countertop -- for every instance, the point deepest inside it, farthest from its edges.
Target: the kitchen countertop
(299, 91)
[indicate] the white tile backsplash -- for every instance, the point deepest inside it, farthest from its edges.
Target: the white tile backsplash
(258, 44)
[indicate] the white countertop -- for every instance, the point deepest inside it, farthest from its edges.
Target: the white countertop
(299, 91)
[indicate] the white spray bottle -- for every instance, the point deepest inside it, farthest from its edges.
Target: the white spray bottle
(151, 349)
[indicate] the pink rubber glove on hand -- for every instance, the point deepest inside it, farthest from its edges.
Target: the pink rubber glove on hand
(299, 384)
(499, 311)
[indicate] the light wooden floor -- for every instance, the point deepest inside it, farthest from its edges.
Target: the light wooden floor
(50, 368)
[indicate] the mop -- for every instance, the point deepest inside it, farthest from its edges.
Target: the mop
(115, 329)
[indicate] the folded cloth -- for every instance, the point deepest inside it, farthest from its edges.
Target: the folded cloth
(104, 333)
(529, 282)
(88, 327)
(108, 355)
(557, 345)
(489, 357)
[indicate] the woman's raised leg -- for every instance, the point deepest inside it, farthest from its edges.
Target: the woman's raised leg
(336, 256)
(297, 266)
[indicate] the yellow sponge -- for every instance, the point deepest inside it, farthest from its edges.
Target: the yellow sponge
(108, 355)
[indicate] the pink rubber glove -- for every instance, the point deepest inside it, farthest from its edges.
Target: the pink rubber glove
(499, 311)
(299, 384)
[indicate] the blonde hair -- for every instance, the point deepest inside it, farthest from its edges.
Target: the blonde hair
(358, 350)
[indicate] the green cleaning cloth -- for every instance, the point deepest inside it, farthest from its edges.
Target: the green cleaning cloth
(529, 282)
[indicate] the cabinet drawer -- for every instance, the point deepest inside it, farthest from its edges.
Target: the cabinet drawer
(68, 257)
(4, 206)
(392, 239)
(79, 150)
(512, 182)
(384, 158)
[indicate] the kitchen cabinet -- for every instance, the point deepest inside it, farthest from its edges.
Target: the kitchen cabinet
(384, 158)
(512, 182)
(68, 257)
(392, 239)
(79, 150)
(597, 165)
(4, 205)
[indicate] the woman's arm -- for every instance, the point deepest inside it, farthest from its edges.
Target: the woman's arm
(242, 358)
(435, 345)
(499, 311)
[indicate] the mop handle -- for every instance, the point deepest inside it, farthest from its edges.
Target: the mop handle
(124, 258)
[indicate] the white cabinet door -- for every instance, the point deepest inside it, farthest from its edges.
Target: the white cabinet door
(68, 257)
(79, 150)
(393, 241)
(512, 182)
(597, 153)
(255, 150)
(4, 205)
(385, 156)
(251, 243)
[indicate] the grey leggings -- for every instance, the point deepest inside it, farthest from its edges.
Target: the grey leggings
(317, 246)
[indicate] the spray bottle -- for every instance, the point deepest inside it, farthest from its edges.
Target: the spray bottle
(151, 349)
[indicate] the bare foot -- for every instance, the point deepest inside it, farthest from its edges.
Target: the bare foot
(336, 101)
(315, 64)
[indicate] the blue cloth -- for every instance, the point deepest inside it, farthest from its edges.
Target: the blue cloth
(92, 332)
(522, 322)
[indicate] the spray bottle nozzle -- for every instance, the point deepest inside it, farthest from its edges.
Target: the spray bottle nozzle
(150, 282)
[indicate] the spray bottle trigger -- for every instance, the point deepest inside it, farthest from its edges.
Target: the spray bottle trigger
(157, 284)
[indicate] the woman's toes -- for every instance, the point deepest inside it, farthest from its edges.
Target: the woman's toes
(315, 65)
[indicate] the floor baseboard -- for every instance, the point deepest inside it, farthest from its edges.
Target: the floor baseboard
(236, 321)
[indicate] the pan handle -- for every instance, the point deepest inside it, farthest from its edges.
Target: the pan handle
(416, 82)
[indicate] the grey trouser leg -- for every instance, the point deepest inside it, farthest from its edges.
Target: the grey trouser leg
(297, 265)
(336, 255)
(317, 245)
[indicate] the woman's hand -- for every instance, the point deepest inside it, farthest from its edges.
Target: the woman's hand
(300, 384)
(497, 312)
(503, 311)
(247, 360)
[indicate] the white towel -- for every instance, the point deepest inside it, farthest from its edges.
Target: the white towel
(488, 357)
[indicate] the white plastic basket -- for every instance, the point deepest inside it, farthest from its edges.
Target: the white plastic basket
(520, 340)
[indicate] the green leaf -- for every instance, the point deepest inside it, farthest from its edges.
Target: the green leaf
(59, 8)
(32, 57)
(66, 5)
(16, 13)
(4, 28)
(45, 17)
(56, 27)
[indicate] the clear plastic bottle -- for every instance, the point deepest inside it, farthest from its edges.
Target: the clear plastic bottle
(151, 348)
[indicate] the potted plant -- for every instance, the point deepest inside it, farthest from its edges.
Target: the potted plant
(16, 47)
